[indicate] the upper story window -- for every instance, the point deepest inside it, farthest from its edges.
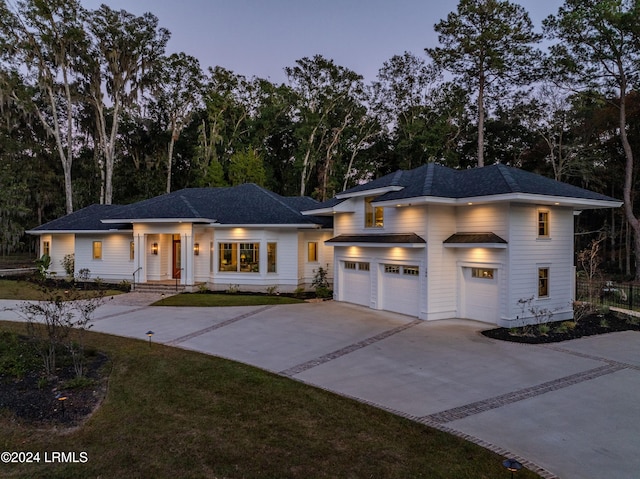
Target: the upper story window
(543, 223)
(373, 215)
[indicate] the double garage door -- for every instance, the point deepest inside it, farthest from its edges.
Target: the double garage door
(393, 288)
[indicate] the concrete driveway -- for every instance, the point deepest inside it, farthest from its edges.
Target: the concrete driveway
(569, 410)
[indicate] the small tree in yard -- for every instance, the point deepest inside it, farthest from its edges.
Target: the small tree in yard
(321, 283)
(589, 263)
(50, 323)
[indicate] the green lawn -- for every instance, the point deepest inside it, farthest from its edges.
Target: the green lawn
(213, 299)
(171, 413)
(25, 290)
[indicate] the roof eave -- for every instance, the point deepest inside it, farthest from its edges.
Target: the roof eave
(577, 203)
(269, 225)
(157, 220)
(476, 245)
(371, 192)
(375, 245)
(48, 232)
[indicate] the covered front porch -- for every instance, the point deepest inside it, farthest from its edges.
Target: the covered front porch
(164, 255)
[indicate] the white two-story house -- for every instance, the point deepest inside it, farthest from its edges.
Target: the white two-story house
(439, 243)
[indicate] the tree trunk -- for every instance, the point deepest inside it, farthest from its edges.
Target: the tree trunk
(174, 136)
(481, 120)
(628, 176)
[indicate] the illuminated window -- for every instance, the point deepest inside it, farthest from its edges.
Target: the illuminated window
(240, 257)
(543, 223)
(373, 216)
(97, 250)
(484, 273)
(543, 282)
(131, 250)
(46, 248)
(271, 257)
(312, 251)
(211, 256)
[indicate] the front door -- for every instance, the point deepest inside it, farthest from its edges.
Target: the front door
(177, 250)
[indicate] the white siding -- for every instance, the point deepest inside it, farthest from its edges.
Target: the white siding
(442, 291)
(527, 253)
(307, 269)
(61, 245)
(115, 264)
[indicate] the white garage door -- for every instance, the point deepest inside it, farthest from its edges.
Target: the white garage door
(356, 282)
(401, 288)
(480, 300)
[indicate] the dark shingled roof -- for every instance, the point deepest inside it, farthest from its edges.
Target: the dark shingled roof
(474, 238)
(246, 204)
(86, 219)
(441, 181)
(378, 238)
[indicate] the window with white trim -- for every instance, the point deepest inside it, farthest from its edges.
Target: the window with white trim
(97, 250)
(349, 265)
(312, 252)
(483, 273)
(543, 223)
(373, 215)
(363, 266)
(543, 282)
(239, 257)
(46, 248)
(271, 257)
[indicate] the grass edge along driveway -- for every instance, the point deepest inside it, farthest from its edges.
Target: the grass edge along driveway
(176, 413)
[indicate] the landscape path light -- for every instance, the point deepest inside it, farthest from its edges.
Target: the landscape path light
(61, 399)
(150, 333)
(512, 465)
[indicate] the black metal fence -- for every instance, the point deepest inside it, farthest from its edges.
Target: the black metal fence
(609, 293)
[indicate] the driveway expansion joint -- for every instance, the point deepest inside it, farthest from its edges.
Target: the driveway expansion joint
(347, 349)
(222, 324)
(478, 407)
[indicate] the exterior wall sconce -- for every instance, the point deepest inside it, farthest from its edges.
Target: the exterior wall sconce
(196, 249)
(154, 248)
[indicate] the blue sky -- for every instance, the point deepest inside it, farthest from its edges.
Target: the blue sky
(261, 37)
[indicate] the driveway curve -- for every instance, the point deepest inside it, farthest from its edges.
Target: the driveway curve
(567, 410)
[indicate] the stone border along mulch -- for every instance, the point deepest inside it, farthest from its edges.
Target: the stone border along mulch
(346, 350)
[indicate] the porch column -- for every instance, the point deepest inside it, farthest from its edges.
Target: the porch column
(187, 278)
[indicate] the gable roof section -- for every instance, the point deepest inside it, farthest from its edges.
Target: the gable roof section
(246, 204)
(440, 182)
(86, 219)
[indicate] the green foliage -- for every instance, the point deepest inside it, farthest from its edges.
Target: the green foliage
(17, 356)
(272, 290)
(247, 167)
(233, 289)
(68, 263)
(43, 264)
(321, 282)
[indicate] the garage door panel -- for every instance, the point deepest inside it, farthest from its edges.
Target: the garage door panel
(481, 294)
(356, 283)
(400, 289)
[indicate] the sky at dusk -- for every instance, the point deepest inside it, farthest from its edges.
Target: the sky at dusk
(261, 37)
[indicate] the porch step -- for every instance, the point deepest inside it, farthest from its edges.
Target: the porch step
(158, 288)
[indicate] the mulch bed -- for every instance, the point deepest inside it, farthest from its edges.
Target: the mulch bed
(29, 401)
(588, 326)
